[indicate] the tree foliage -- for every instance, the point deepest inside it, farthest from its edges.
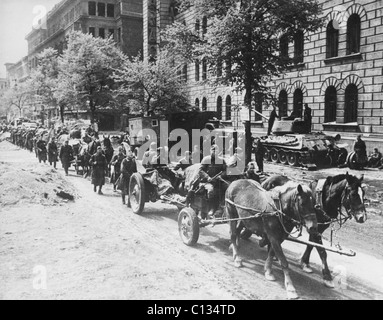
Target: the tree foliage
(18, 96)
(243, 37)
(86, 71)
(156, 87)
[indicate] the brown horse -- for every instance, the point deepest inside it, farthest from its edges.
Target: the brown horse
(343, 190)
(257, 212)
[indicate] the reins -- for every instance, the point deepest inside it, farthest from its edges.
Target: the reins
(278, 213)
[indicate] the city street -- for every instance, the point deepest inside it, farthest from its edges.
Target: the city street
(96, 248)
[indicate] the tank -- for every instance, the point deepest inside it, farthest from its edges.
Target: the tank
(292, 144)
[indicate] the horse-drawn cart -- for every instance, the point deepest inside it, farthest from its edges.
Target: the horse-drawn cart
(163, 184)
(166, 185)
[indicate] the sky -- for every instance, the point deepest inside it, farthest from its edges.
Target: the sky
(16, 20)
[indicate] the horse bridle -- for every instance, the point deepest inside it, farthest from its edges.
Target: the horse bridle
(298, 224)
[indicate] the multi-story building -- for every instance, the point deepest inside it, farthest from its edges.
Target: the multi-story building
(337, 71)
(120, 19)
(3, 84)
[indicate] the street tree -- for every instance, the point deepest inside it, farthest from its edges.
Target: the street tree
(43, 79)
(154, 87)
(86, 72)
(20, 97)
(241, 40)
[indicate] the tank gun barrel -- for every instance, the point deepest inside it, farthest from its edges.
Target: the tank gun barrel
(263, 116)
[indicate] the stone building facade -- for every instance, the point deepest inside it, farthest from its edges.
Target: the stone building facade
(120, 19)
(339, 73)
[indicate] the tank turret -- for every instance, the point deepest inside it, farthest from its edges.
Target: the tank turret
(292, 144)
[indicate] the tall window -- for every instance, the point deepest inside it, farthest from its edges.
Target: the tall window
(101, 33)
(330, 104)
(332, 39)
(92, 8)
(284, 46)
(197, 70)
(219, 108)
(92, 31)
(282, 103)
(351, 104)
(110, 10)
(299, 45)
(196, 103)
(353, 34)
(204, 69)
(298, 103)
(204, 104)
(101, 9)
(204, 26)
(197, 26)
(228, 108)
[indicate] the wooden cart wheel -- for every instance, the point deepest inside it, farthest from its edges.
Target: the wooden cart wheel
(293, 159)
(274, 155)
(137, 193)
(188, 226)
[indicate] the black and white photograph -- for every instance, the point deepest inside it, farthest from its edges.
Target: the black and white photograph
(193, 155)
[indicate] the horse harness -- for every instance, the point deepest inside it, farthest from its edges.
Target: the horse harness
(263, 214)
(319, 200)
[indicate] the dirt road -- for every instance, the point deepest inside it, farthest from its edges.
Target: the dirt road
(95, 248)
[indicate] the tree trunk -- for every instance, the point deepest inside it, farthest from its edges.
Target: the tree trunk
(248, 139)
(92, 110)
(62, 109)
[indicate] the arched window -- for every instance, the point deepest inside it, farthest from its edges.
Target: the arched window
(353, 34)
(299, 46)
(282, 103)
(197, 70)
(219, 108)
(196, 103)
(332, 40)
(351, 104)
(204, 69)
(298, 103)
(204, 104)
(330, 104)
(284, 46)
(228, 108)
